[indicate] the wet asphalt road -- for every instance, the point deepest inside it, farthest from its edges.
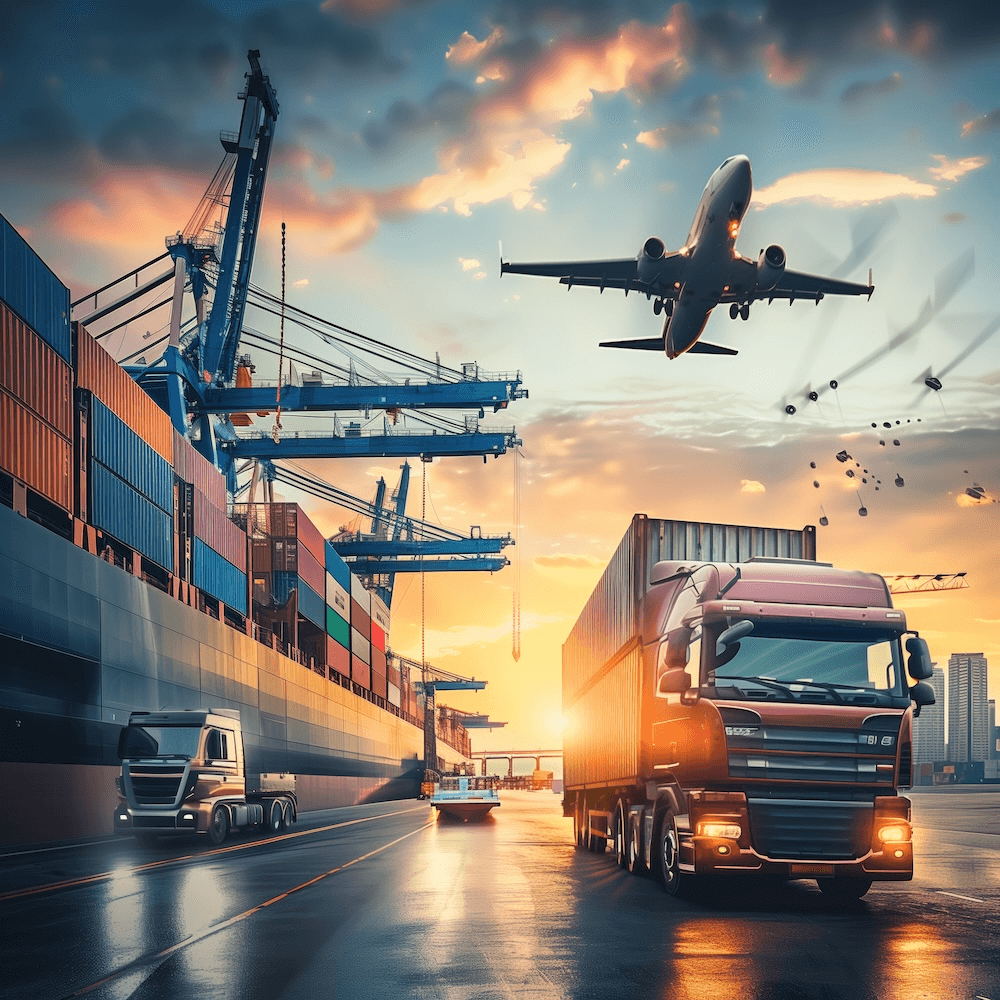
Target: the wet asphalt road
(385, 901)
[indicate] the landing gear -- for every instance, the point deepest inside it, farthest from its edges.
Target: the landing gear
(665, 306)
(734, 310)
(745, 310)
(657, 307)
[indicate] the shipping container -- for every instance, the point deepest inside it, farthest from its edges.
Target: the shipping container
(34, 373)
(33, 452)
(262, 561)
(311, 571)
(337, 628)
(191, 466)
(360, 646)
(361, 672)
(392, 672)
(393, 695)
(215, 529)
(360, 620)
(379, 664)
(380, 613)
(337, 598)
(128, 516)
(285, 555)
(378, 684)
(220, 578)
(361, 596)
(602, 656)
(337, 657)
(378, 637)
(118, 448)
(336, 567)
(111, 384)
(32, 291)
(311, 605)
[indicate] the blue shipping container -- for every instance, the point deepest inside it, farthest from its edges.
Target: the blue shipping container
(128, 516)
(337, 568)
(115, 445)
(33, 291)
(311, 605)
(219, 577)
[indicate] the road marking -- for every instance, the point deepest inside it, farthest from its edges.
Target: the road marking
(60, 847)
(958, 895)
(222, 925)
(150, 866)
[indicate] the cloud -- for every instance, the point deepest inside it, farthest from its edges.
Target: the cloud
(468, 50)
(839, 187)
(676, 134)
(446, 109)
(864, 91)
(781, 70)
(565, 560)
(452, 641)
(469, 264)
(953, 170)
(479, 275)
(984, 123)
(301, 283)
(622, 163)
(752, 486)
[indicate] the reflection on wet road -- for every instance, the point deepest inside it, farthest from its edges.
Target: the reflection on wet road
(403, 905)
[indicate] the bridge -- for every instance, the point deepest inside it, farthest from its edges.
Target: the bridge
(511, 755)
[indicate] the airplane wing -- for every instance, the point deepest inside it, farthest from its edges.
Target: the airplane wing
(798, 285)
(620, 273)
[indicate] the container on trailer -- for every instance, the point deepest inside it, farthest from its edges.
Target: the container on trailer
(213, 528)
(336, 567)
(337, 598)
(337, 628)
(191, 466)
(30, 288)
(31, 451)
(111, 384)
(360, 646)
(117, 447)
(361, 672)
(218, 577)
(338, 658)
(35, 373)
(127, 515)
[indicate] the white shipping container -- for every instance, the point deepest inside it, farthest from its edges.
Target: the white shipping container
(362, 596)
(338, 598)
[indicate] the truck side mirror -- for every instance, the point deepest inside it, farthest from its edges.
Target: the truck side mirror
(921, 694)
(918, 663)
(674, 681)
(733, 634)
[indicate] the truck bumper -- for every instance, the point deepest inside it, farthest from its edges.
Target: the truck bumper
(155, 822)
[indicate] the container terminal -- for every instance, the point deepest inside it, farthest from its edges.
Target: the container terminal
(132, 580)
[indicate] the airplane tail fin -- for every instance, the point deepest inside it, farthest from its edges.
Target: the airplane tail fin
(644, 344)
(703, 347)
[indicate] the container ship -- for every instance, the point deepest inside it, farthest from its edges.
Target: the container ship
(129, 582)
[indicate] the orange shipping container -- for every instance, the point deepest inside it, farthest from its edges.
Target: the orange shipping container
(33, 452)
(34, 373)
(191, 466)
(98, 371)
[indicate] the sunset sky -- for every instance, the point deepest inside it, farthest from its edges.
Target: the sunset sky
(413, 136)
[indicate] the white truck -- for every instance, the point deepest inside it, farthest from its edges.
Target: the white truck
(184, 772)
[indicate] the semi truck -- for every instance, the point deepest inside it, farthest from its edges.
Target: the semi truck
(734, 706)
(185, 773)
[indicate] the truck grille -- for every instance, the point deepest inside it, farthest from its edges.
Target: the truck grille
(156, 787)
(806, 767)
(811, 830)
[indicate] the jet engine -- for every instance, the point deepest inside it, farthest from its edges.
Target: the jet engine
(648, 261)
(770, 266)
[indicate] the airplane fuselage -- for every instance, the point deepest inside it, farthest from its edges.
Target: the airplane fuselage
(710, 250)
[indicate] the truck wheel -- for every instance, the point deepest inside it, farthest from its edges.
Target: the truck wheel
(286, 816)
(634, 845)
(218, 825)
(676, 883)
(621, 833)
(579, 812)
(843, 890)
(594, 843)
(276, 817)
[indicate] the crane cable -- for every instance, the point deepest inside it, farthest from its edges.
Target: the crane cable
(281, 343)
(516, 560)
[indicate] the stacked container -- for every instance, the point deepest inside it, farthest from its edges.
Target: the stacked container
(36, 385)
(379, 637)
(361, 634)
(338, 612)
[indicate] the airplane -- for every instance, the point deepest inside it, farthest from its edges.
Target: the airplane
(688, 283)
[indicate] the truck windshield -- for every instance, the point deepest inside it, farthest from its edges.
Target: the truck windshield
(809, 658)
(159, 741)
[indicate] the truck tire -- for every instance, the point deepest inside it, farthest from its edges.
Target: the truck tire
(594, 843)
(668, 856)
(635, 862)
(218, 825)
(286, 815)
(843, 890)
(621, 832)
(579, 813)
(275, 817)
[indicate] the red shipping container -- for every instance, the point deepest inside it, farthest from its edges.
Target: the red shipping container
(110, 383)
(311, 571)
(213, 527)
(378, 636)
(311, 538)
(33, 452)
(262, 562)
(194, 468)
(338, 658)
(361, 673)
(379, 665)
(360, 620)
(379, 685)
(31, 371)
(392, 675)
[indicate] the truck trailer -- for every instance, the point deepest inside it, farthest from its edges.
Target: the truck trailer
(185, 772)
(735, 706)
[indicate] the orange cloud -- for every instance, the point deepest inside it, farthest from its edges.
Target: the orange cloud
(953, 170)
(467, 49)
(752, 486)
(840, 187)
(781, 70)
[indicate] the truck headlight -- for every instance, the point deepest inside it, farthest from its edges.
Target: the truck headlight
(894, 833)
(728, 831)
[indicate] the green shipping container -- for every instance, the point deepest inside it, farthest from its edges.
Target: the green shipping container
(337, 628)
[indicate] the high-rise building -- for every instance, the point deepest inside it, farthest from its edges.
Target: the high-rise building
(928, 730)
(992, 730)
(968, 719)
